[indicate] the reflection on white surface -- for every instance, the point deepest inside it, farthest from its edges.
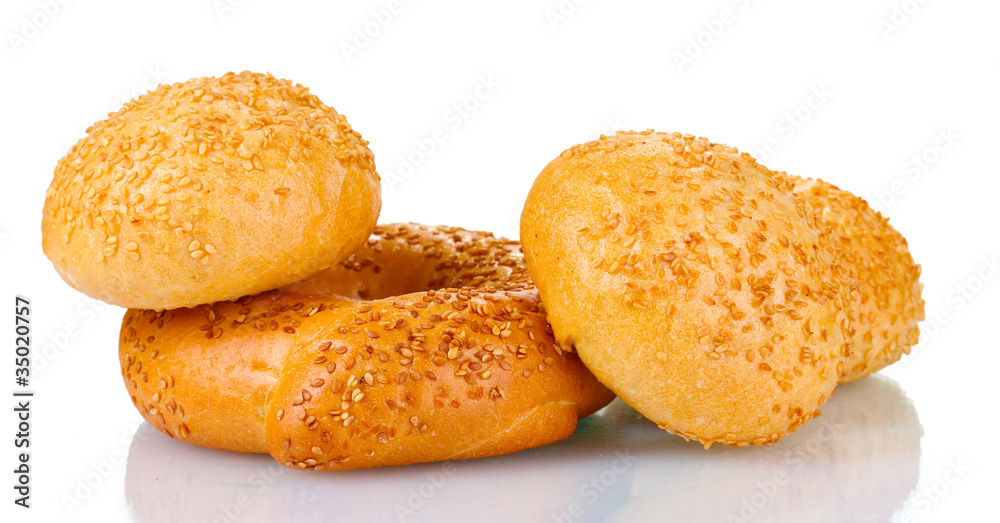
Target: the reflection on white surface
(857, 462)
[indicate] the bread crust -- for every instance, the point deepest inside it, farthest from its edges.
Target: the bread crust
(322, 381)
(886, 304)
(692, 282)
(208, 190)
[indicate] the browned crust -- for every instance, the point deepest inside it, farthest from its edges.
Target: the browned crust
(328, 382)
(886, 304)
(208, 190)
(692, 281)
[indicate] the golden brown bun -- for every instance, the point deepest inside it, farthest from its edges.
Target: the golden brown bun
(691, 281)
(209, 190)
(885, 283)
(323, 381)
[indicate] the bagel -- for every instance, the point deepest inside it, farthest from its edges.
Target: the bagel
(209, 190)
(692, 281)
(885, 282)
(437, 350)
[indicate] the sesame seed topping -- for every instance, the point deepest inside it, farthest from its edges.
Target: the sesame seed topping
(700, 254)
(479, 319)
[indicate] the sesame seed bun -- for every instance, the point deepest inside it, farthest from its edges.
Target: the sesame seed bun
(209, 190)
(885, 305)
(691, 281)
(464, 367)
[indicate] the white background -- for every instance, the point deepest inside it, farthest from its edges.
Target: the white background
(893, 99)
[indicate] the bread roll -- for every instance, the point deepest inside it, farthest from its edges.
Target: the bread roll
(885, 283)
(692, 281)
(322, 381)
(209, 190)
